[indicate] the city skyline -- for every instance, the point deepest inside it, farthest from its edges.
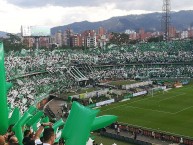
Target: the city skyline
(14, 13)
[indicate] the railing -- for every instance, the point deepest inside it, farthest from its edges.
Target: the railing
(124, 139)
(162, 135)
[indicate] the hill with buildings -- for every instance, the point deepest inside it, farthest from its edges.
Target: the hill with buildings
(150, 22)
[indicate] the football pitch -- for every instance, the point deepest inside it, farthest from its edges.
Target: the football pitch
(170, 111)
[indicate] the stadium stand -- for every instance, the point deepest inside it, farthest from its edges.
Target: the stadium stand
(36, 74)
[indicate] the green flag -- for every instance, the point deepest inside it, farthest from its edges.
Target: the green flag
(3, 95)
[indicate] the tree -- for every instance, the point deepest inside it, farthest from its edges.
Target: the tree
(119, 38)
(156, 39)
(12, 43)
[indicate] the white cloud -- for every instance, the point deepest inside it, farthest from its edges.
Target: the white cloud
(13, 16)
(63, 3)
(150, 5)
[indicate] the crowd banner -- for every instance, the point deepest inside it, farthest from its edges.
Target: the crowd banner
(58, 136)
(105, 102)
(3, 95)
(136, 85)
(35, 126)
(91, 94)
(31, 109)
(35, 118)
(58, 124)
(139, 93)
(103, 121)
(17, 128)
(91, 105)
(44, 120)
(15, 116)
(80, 119)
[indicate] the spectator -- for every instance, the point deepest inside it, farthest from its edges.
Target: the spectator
(127, 128)
(181, 140)
(28, 138)
(115, 127)
(118, 130)
(153, 134)
(13, 141)
(135, 135)
(48, 134)
(2, 140)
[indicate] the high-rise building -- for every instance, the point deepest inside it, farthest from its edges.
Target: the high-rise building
(44, 42)
(133, 36)
(64, 39)
(28, 41)
(102, 41)
(128, 31)
(59, 38)
(101, 31)
(76, 40)
(184, 34)
(172, 32)
(89, 38)
(68, 34)
(79, 37)
(190, 32)
(142, 34)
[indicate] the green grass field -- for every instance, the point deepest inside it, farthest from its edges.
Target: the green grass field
(170, 111)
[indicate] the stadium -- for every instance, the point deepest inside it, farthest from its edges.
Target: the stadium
(148, 86)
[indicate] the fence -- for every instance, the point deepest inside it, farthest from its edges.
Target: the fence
(124, 139)
(164, 136)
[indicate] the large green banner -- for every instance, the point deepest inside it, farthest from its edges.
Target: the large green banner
(3, 96)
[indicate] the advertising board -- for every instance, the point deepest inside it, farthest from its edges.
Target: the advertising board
(35, 31)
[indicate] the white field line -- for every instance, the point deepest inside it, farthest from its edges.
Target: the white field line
(146, 99)
(150, 109)
(125, 104)
(172, 97)
(128, 103)
(159, 110)
(183, 109)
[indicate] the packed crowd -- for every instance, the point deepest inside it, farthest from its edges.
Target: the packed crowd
(162, 52)
(32, 138)
(165, 71)
(36, 73)
(29, 61)
(30, 90)
(144, 72)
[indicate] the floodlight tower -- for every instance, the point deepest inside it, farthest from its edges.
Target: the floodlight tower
(166, 18)
(37, 41)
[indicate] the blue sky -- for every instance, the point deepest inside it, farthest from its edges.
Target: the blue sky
(14, 13)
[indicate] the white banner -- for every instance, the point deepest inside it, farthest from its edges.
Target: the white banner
(105, 102)
(136, 85)
(139, 93)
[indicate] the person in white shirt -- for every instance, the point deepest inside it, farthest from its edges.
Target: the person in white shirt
(48, 135)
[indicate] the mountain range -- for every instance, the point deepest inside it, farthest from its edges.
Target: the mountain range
(2, 34)
(149, 22)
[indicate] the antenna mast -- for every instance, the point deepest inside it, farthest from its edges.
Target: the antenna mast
(166, 18)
